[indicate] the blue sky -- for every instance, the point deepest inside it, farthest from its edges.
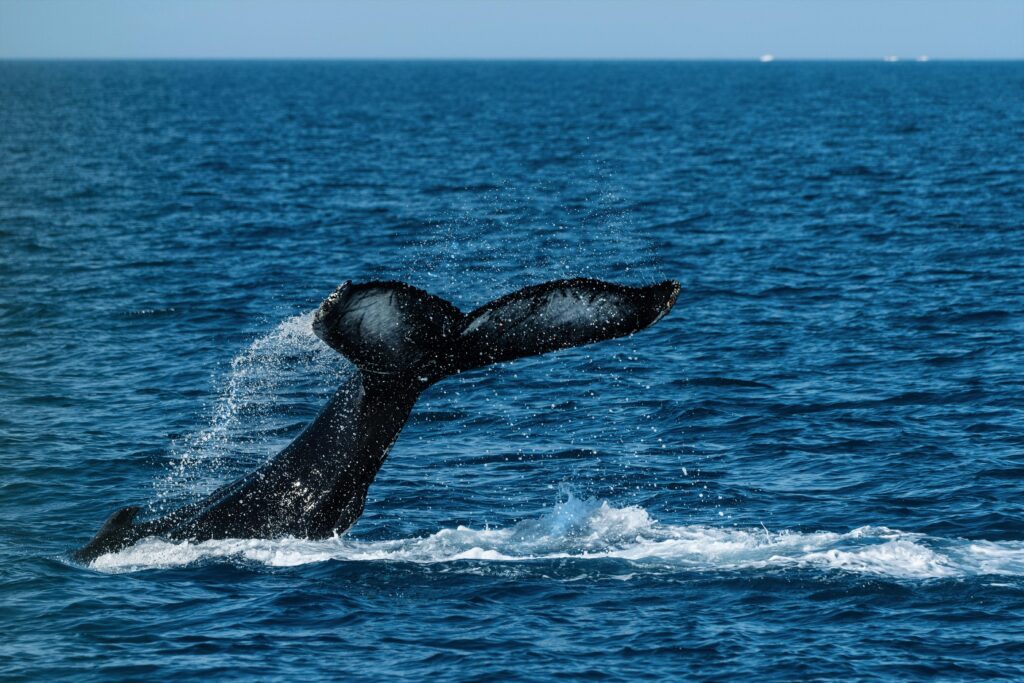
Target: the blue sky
(502, 29)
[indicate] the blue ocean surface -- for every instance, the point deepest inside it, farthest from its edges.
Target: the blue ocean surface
(811, 469)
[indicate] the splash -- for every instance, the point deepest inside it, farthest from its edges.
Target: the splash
(588, 529)
(279, 374)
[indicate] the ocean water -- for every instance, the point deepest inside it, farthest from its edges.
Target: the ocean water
(810, 470)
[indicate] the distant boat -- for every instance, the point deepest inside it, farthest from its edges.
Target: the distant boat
(890, 58)
(767, 58)
(921, 58)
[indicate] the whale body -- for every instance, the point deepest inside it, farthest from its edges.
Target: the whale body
(401, 340)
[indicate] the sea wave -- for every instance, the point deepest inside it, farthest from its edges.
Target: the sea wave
(590, 529)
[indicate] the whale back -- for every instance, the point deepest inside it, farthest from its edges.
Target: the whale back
(116, 533)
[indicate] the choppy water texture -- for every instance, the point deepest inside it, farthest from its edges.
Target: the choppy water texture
(811, 469)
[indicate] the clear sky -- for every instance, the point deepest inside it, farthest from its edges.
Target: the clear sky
(501, 29)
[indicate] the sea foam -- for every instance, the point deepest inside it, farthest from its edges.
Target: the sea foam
(589, 529)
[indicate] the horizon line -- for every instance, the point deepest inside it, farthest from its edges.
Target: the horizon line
(917, 59)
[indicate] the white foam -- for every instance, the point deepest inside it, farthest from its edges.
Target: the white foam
(588, 529)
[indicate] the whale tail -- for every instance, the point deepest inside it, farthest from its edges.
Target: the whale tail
(392, 328)
(387, 328)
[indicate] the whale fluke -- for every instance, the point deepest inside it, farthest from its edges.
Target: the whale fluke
(558, 315)
(387, 327)
(402, 340)
(394, 328)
